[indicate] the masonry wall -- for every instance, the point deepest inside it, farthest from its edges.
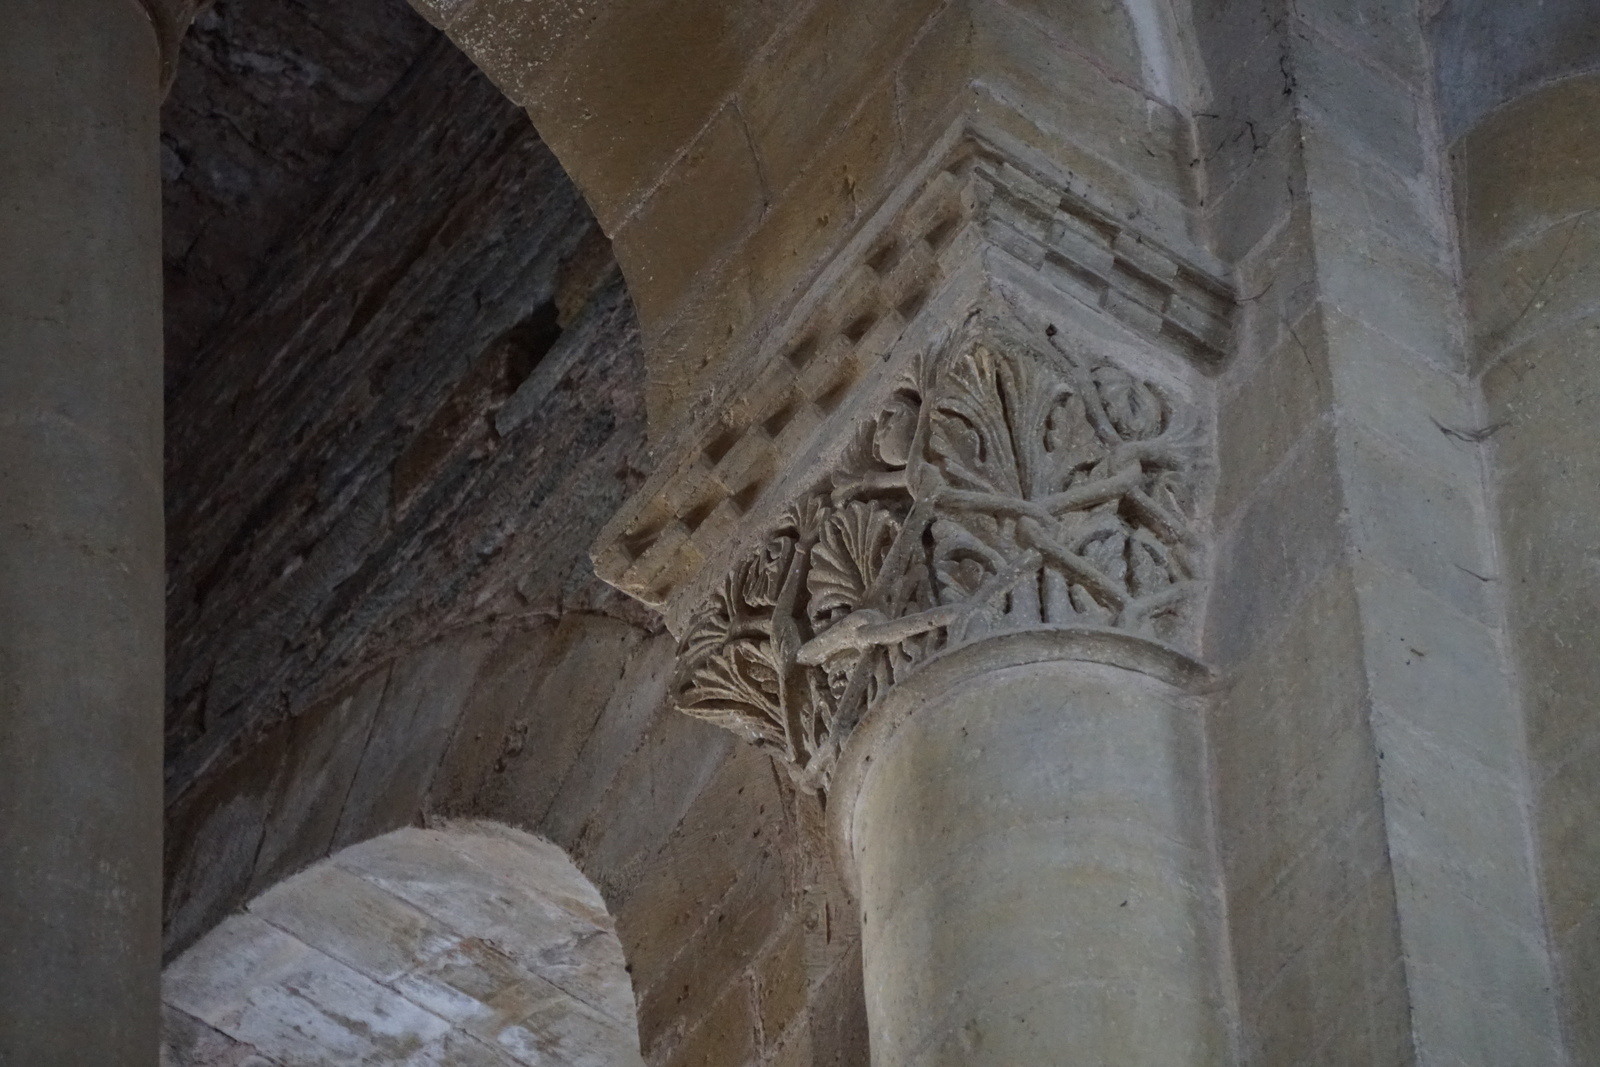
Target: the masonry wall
(1371, 769)
(266, 96)
(680, 125)
(425, 405)
(741, 945)
(1310, 889)
(1528, 182)
(385, 471)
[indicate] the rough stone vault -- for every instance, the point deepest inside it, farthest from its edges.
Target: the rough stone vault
(894, 532)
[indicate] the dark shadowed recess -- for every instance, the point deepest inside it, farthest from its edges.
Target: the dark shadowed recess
(405, 383)
(268, 93)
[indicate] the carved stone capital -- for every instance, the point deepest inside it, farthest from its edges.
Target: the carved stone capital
(1008, 483)
(991, 419)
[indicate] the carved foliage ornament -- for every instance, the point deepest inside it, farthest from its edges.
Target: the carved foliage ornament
(1003, 486)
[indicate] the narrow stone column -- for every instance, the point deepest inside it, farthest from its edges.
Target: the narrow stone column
(1028, 830)
(81, 562)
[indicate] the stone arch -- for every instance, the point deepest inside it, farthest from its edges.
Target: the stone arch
(1487, 54)
(466, 944)
(730, 149)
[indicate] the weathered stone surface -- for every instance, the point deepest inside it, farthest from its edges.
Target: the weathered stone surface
(632, 119)
(1072, 792)
(616, 134)
(1246, 210)
(727, 1035)
(1529, 165)
(1395, 290)
(470, 946)
(1529, 199)
(653, 792)
(831, 56)
(822, 203)
(585, 660)
(420, 708)
(691, 875)
(683, 995)
(782, 983)
(1298, 700)
(1530, 286)
(839, 1017)
(213, 834)
(1039, 64)
(1283, 540)
(342, 562)
(1368, 109)
(693, 217)
(266, 96)
(188, 1042)
(1367, 751)
(639, 693)
(1490, 53)
(1441, 672)
(478, 750)
(353, 921)
(1268, 406)
(324, 750)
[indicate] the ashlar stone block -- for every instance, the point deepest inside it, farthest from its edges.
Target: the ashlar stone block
(1530, 164)
(710, 200)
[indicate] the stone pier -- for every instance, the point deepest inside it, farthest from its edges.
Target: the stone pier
(81, 562)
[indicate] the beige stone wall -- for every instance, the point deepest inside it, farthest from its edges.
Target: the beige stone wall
(741, 946)
(1372, 788)
(1529, 189)
(728, 149)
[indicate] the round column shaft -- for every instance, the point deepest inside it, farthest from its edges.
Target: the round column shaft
(1031, 847)
(81, 567)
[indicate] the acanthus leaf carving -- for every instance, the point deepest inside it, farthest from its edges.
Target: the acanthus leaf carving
(1004, 485)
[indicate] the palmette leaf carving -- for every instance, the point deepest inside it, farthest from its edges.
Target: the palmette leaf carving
(1006, 485)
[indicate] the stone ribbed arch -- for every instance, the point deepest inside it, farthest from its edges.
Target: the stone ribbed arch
(730, 149)
(465, 944)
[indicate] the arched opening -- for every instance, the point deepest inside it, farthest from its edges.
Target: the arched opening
(468, 944)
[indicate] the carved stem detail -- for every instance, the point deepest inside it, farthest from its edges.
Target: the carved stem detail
(1004, 486)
